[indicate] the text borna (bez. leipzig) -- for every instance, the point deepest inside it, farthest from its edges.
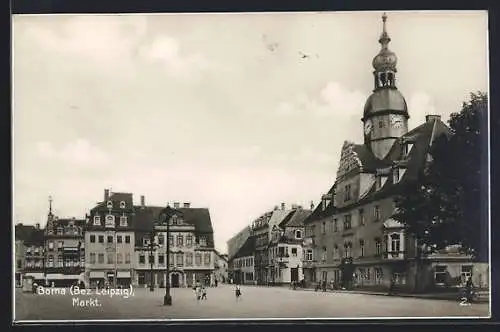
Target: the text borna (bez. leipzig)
(77, 291)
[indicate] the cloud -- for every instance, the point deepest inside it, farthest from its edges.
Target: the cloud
(332, 101)
(166, 51)
(420, 104)
(80, 153)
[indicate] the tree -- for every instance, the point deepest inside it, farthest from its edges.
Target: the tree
(446, 204)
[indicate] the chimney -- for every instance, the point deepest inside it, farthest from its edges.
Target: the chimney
(37, 226)
(187, 205)
(176, 205)
(282, 206)
(431, 117)
(143, 201)
(312, 205)
(106, 195)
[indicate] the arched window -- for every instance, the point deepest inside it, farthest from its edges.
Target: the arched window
(122, 205)
(109, 204)
(298, 234)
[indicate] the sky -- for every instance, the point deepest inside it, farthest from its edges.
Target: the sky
(232, 112)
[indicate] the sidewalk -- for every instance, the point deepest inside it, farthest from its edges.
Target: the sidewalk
(483, 296)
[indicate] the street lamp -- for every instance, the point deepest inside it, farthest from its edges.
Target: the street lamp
(44, 267)
(152, 248)
(165, 216)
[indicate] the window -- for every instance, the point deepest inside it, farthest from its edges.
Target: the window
(378, 182)
(309, 255)
(174, 220)
(111, 258)
(179, 259)
(466, 272)
(127, 258)
(378, 275)
(381, 124)
(100, 258)
(298, 234)
(294, 252)
(151, 259)
(127, 238)
(203, 241)
(189, 241)
(395, 243)
(110, 238)
(361, 217)
(20, 263)
(362, 248)
(119, 258)
(161, 259)
(171, 259)
(440, 275)
(92, 239)
(198, 258)
(145, 242)
(376, 212)
(348, 250)
(323, 227)
(110, 220)
(335, 225)
(395, 175)
(171, 240)
(59, 231)
(142, 259)
(407, 149)
(51, 244)
(347, 221)
(180, 240)
(119, 239)
(123, 221)
(60, 244)
(109, 204)
(97, 221)
(335, 251)
(92, 258)
(161, 239)
(122, 205)
(378, 247)
(347, 194)
(323, 255)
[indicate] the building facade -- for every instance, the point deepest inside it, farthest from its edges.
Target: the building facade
(221, 267)
(260, 230)
(351, 239)
(32, 244)
(244, 263)
(234, 244)
(192, 253)
(109, 241)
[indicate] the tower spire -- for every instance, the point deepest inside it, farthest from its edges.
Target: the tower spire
(384, 37)
(50, 205)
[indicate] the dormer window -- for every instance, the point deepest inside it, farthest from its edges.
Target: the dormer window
(406, 149)
(298, 234)
(122, 205)
(110, 220)
(396, 175)
(97, 221)
(109, 204)
(203, 241)
(123, 221)
(59, 231)
(174, 219)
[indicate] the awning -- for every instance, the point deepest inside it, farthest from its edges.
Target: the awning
(36, 275)
(97, 274)
(123, 274)
(60, 276)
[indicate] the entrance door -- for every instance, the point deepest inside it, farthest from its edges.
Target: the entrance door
(175, 280)
(294, 274)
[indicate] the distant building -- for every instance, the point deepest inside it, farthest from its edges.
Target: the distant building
(109, 241)
(192, 253)
(285, 247)
(260, 229)
(233, 245)
(31, 242)
(243, 263)
(221, 267)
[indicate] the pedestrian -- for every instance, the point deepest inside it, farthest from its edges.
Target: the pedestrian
(237, 292)
(216, 282)
(203, 293)
(468, 289)
(198, 290)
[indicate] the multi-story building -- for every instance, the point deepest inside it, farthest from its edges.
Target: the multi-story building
(64, 250)
(244, 263)
(23, 240)
(351, 237)
(192, 253)
(285, 247)
(260, 230)
(233, 245)
(109, 241)
(34, 259)
(220, 266)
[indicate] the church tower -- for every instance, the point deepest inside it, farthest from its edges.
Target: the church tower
(385, 116)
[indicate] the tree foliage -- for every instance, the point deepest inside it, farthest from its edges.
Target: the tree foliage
(446, 204)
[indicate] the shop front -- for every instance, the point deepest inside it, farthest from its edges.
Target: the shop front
(97, 279)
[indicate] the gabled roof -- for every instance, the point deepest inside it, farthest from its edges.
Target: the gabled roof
(116, 198)
(65, 222)
(421, 137)
(296, 219)
(277, 218)
(23, 232)
(247, 249)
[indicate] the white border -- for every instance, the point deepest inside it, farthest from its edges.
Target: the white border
(13, 274)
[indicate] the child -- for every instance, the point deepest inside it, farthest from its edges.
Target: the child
(238, 292)
(203, 293)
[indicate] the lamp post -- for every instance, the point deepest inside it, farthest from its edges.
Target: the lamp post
(165, 218)
(44, 267)
(152, 247)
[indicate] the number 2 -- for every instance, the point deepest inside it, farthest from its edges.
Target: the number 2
(463, 301)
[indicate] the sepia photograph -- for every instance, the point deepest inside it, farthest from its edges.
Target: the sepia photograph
(250, 166)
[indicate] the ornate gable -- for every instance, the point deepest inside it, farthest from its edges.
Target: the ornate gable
(349, 160)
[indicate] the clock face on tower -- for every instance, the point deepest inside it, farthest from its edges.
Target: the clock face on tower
(368, 127)
(396, 120)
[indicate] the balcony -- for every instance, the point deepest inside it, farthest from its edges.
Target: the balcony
(394, 255)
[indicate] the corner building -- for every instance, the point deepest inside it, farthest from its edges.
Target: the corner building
(351, 239)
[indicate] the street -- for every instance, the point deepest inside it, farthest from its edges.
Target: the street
(256, 302)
